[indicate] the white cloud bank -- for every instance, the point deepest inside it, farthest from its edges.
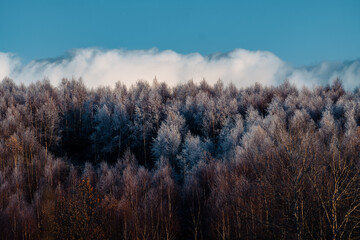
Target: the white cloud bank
(241, 67)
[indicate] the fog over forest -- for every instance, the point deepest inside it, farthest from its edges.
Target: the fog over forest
(188, 160)
(241, 67)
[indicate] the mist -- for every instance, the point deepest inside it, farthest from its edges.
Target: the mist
(98, 67)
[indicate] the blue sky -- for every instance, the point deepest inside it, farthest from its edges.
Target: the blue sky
(298, 32)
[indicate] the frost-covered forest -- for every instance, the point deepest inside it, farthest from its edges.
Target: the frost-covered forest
(192, 161)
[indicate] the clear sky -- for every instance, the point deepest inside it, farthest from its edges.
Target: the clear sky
(299, 32)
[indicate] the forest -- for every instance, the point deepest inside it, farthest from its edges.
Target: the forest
(191, 161)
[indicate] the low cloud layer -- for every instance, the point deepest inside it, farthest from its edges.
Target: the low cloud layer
(241, 67)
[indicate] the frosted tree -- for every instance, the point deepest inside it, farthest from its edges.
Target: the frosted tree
(328, 128)
(192, 152)
(275, 121)
(256, 144)
(169, 137)
(48, 122)
(230, 135)
(350, 115)
(352, 130)
(194, 110)
(101, 138)
(72, 95)
(140, 131)
(252, 118)
(119, 124)
(155, 105)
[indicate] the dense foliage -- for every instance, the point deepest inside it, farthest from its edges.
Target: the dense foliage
(188, 162)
